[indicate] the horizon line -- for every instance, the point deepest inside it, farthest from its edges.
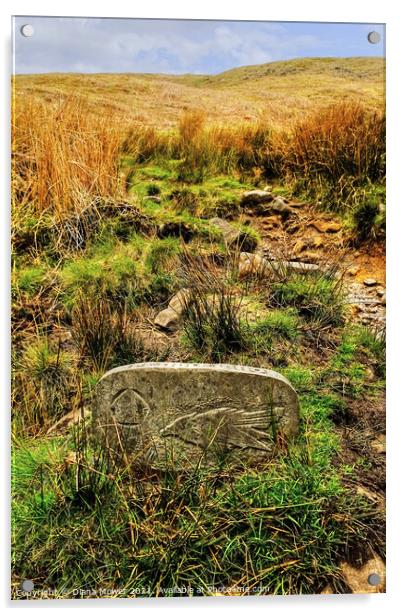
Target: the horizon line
(380, 57)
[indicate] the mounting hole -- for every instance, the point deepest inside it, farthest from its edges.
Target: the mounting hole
(27, 585)
(374, 37)
(374, 579)
(27, 30)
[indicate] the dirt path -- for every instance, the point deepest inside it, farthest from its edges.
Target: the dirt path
(311, 237)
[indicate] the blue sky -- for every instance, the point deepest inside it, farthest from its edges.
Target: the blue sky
(92, 45)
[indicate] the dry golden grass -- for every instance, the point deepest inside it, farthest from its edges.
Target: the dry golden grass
(343, 140)
(69, 131)
(63, 153)
(280, 91)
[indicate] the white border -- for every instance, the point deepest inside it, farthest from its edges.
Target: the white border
(292, 10)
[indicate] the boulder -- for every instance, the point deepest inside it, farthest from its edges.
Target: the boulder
(184, 415)
(235, 237)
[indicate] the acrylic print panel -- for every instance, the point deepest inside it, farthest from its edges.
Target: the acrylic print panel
(198, 298)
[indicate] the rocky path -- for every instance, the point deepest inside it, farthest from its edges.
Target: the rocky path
(367, 303)
(297, 232)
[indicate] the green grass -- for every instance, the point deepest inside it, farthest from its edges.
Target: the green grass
(126, 272)
(213, 196)
(301, 377)
(283, 323)
(156, 173)
(347, 371)
(43, 374)
(282, 527)
(28, 280)
(265, 335)
(160, 253)
(317, 297)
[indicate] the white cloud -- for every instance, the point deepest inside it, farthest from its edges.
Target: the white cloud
(124, 45)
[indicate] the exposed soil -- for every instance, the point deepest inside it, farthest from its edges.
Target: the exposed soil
(312, 237)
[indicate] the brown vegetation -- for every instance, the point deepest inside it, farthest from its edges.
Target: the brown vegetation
(65, 154)
(62, 154)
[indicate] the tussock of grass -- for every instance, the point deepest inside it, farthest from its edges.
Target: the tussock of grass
(368, 223)
(43, 382)
(343, 140)
(28, 280)
(54, 166)
(273, 328)
(107, 335)
(317, 297)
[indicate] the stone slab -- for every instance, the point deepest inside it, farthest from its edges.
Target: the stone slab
(181, 414)
(254, 264)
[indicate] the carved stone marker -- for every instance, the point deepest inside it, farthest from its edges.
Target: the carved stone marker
(179, 414)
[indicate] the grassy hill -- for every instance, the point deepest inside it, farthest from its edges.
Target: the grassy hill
(112, 215)
(277, 91)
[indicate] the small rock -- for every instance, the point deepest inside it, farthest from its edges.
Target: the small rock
(380, 291)
(234, 236)
(167, 319)
(325, 227)
(352, 271)
(370, 282)
(153, 198)
(379, 443)
(170, 317)
(251, 264)
(260, 202)
(255, 197)
(279, 206)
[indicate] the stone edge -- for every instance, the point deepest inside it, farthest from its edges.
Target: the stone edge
(226, 368)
